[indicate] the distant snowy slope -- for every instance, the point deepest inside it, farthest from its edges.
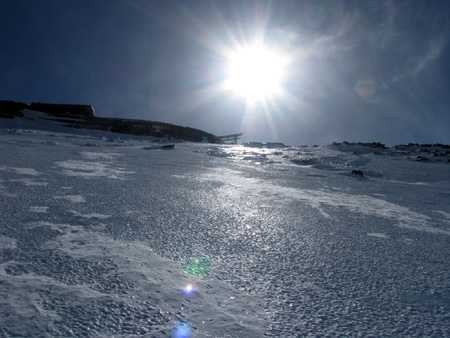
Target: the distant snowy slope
(82, 117)
(103, 236)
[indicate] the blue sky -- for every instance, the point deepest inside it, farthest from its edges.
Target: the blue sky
(358, 71)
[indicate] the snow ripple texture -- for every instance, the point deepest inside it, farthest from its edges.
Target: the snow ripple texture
(101, 238)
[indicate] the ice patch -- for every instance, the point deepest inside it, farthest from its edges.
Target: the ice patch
(7, 243)
(96, 156)
(443, 213)
(29, 182)
(91, 215)
(3, 191)
(378, 235)
(91, 170)
(72, 198)
(26, 171)
(180, 176)
(39, 209)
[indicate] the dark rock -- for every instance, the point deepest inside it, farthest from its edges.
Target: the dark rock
(421, 158)
(357, 172)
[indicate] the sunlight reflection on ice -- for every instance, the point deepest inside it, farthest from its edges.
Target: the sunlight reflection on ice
(363, 204)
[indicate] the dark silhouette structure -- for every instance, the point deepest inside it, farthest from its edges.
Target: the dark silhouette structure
(64, 110)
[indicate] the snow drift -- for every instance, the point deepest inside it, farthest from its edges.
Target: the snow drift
(101, 237)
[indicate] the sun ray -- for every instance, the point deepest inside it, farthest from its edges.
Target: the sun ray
(244, 67)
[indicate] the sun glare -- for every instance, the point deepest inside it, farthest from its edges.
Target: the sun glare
(255, 72)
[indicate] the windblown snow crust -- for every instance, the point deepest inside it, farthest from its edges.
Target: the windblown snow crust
(103, 237)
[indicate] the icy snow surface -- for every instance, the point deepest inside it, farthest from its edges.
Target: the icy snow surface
(102, 238)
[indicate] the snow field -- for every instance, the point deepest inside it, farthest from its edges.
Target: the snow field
(60, 278)
(102, 238)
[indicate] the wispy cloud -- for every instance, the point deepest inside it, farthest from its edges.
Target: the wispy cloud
(418, 63)
(418, 36)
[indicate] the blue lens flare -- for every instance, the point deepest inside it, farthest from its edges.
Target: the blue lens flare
(183, 330)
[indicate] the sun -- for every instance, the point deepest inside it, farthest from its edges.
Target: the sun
(255, 72)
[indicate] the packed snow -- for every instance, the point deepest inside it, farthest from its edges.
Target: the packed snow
(108, 235)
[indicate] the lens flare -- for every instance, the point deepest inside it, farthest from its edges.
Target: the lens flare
(189, 289)
(366, 88)
(183, 330)
(197, 267)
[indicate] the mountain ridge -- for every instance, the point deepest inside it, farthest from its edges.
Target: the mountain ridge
(83, 117)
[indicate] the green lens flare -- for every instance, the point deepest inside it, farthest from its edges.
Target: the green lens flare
(197, 267)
